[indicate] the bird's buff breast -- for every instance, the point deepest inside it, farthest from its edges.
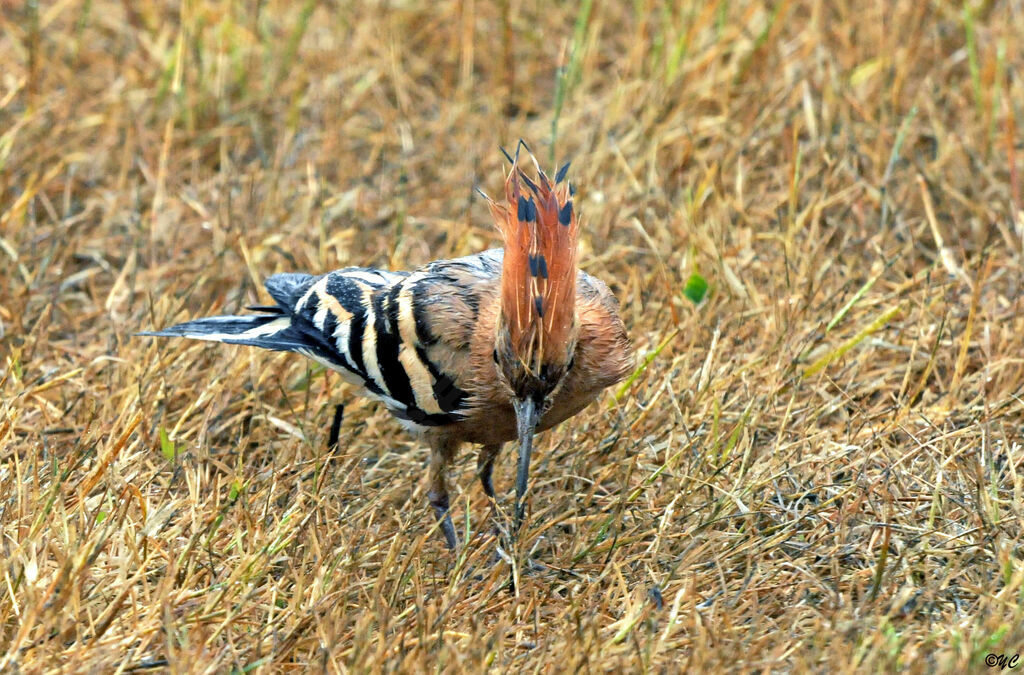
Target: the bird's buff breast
(497, 424)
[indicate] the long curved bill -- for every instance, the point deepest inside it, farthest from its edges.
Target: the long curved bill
(526, 422)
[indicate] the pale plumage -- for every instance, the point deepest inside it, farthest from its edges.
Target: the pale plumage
(435, 345)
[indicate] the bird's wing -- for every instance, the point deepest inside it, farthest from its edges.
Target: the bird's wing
(446, 300)
(405, 337)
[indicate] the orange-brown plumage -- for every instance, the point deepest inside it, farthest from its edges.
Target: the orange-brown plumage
(540, 229)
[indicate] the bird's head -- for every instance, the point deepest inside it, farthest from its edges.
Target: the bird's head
(537, 328)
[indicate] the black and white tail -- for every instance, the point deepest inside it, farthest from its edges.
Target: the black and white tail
(274, 329)
(266, 331)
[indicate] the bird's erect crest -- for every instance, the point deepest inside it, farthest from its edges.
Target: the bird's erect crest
(538, 284)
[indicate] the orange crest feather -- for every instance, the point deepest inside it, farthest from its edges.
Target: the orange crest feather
(538, 284)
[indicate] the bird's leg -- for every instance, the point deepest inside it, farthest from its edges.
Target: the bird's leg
(484, 468)
(332, 439)
(441, 454)
(485, 465)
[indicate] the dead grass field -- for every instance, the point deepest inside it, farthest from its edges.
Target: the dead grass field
(821, 469)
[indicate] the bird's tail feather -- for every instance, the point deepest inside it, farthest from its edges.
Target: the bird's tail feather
(273, 331)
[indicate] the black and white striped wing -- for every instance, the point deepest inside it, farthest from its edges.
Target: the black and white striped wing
(403, 337)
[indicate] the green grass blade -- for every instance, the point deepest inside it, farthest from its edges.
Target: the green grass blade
(873, 327)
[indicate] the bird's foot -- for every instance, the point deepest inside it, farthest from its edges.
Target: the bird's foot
(440, 505)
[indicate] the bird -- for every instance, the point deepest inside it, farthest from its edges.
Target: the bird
(483, 349)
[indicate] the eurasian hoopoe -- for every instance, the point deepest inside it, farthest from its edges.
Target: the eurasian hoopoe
(483, 349)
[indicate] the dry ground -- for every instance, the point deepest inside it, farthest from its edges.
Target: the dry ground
(821, 468)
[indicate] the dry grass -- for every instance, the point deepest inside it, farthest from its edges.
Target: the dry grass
(822, 469)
